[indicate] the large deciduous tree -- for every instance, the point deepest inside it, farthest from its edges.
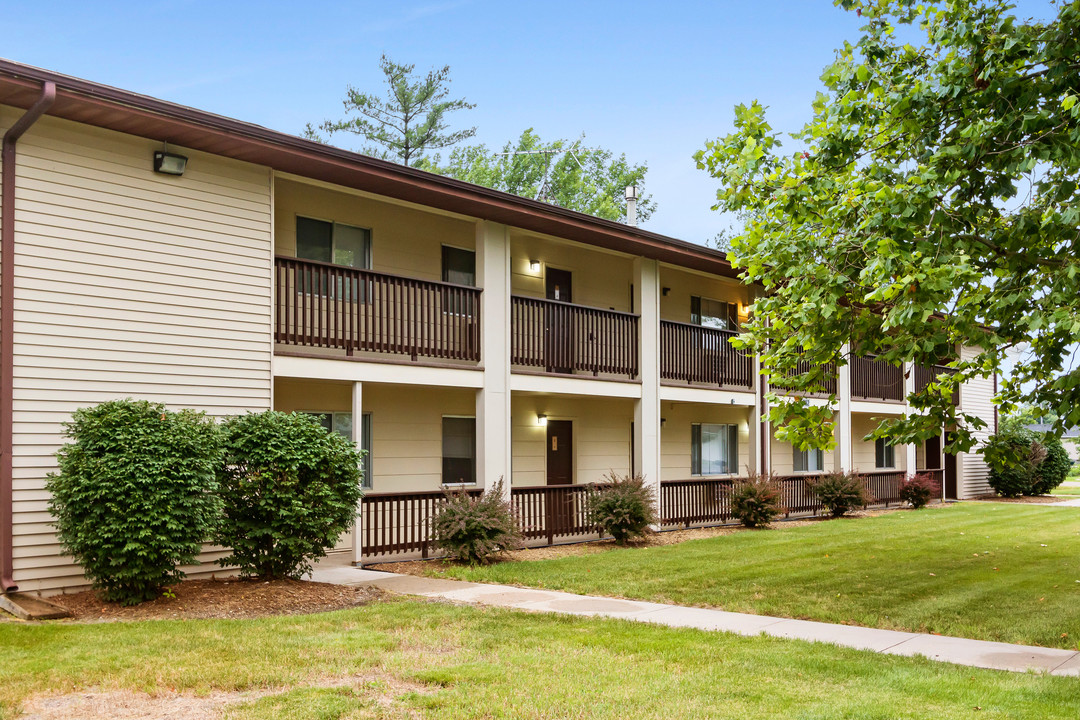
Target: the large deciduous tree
(567, 174)
(408, 122)
(933, 203)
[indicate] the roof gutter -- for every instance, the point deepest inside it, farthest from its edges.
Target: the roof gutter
(7, 327)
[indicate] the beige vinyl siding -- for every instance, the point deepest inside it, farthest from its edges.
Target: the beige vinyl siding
(601, 436)
(597, 278)
(675, 435)
(406, 425)
(864, 452)
(976, 398)
(128, 284)
(782, 460)
(684, 284)
(404, 241)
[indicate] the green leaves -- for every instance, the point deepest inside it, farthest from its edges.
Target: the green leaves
(934, 207)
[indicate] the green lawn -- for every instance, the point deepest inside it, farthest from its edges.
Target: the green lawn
(410, 658)
(1066, 490)
(991, 571)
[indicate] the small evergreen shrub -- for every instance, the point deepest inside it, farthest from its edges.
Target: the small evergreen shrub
(1052, 470)
(755, 500)
(136, 495)
(918, 490)
(290, 489)
(839, 492)
(1012, 456)
(473, 529)
(624, 509)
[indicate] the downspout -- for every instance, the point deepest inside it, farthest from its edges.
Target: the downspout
(7, 326)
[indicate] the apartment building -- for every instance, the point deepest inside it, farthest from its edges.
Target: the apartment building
(458, 334)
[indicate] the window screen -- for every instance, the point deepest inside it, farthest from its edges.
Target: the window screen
(458, 266)
(808, 460)
(459, 450)
(714, 314)
(884, 454)
(714, 449)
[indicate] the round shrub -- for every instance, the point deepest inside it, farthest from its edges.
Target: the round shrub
(1052, 470)
(1012, 456)
(289, 488)
(624, 508)
(918, 490)
(473, 529)
(839, 492)
(755, 500)
(135, 495)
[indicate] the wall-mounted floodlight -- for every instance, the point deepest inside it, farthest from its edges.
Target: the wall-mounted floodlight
(168, 163)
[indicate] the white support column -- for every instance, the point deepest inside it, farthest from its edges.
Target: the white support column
(758, 461)
(647, 409)
(493, 420)
(357, 438)
(909, 387)
(843, 415)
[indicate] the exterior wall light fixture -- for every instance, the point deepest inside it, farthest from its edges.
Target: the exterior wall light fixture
(167, 163)
(541, 420)
(534, 266)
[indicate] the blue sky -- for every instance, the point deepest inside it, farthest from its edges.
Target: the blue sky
(653, 80)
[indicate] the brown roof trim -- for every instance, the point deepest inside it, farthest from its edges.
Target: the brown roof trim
(108, 107)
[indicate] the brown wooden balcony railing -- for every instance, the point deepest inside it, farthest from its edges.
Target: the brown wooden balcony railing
(564, 338)
(547, 512)
(696, 354)
(333, 306)
(400, 522)
(873, 379)
(828, 383)
(925, 375)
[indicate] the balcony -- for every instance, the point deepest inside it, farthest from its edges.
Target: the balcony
(559, 337)
(696, 354)
(926, 375)
(873, 379)
(319, 305)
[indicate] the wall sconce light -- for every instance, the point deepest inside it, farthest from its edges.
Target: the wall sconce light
(534, 266)
(168, 163)
(663, 422)
(541, 420)
(665, 291)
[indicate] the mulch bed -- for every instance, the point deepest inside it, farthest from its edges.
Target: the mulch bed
(436, 566)
(1024, 500)
(227, 598)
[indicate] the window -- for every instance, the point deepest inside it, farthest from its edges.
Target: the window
(332, 242)
(714, 449)
(884, 454)
(714, 314)
(458, 266)
(808, 460)
(459, 450)
(341, 423)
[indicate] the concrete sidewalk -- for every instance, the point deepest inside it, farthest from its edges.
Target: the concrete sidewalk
(976, 653)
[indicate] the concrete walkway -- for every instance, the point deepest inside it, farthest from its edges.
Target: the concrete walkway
(976, 653)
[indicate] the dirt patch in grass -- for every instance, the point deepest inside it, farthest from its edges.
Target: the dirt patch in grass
(1024, 500)
(435, 566)
(380, 690)
(227, 598)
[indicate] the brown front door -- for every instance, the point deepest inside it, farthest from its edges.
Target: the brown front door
(560, 452)
(558, 323)
(950, 473)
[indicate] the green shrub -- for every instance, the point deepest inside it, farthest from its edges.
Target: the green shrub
(918, 490)
(1012, 457)
(136, 494)
(290, 489)
(755, 500)
(473, 529)
(839, 492)
(1052, 470)
(624, 508)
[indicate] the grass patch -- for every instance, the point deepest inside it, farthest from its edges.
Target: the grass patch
(495, 663)
(980, 570)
